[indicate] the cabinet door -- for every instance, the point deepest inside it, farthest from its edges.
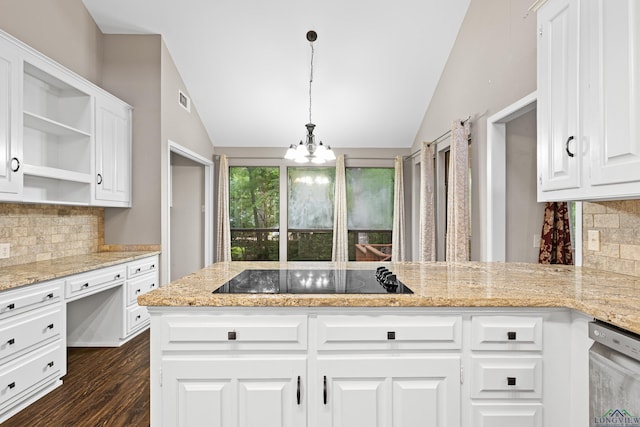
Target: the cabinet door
(113, 153)
(389, 391)
(240, 392)
(614, 90)
(559, 146)
(10, 89)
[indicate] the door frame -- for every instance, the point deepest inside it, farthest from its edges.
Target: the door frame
(165, 256)
(495, 242)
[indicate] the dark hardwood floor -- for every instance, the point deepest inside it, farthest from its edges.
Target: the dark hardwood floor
(103, 387)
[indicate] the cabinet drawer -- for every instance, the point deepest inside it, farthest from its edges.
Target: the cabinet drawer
(136, 317)
(29, 370)
(25, 331)
(389, 332)
(139, 286)
(142, 266)
(506, 333)
(506, 377)
(505, 414)
(246, 332)
(84, 284)
(30, 297)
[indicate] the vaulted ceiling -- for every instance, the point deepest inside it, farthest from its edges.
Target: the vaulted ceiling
(246, 63)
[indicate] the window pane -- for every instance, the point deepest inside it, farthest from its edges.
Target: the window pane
(254, 197)
(370, 198)
(254, 245)
(311, 198)
(369, 245)
(309, 245)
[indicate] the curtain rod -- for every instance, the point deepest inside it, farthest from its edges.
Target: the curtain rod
(217, 156)
(436, 141)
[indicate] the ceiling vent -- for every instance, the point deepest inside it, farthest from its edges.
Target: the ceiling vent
(184, 101)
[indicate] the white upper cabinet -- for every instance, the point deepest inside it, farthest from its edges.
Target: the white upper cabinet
(113, 153)
(588, 100)
(613, 56)
(49, 130)
(559, 154)
(10, 156)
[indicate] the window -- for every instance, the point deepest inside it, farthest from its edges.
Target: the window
(310, 213)
(254, 213)
(370, 213)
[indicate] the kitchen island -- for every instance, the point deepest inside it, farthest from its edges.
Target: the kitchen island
(475, 344)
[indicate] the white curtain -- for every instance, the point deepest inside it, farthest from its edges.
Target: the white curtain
(458, 194)
(340, 251)
(427, 213)
(397, 234)
(223, 247)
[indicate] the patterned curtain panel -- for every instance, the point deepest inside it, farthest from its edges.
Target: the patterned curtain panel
(397, 233)
(458, 194)
(340, 251)
(223, 227)
(427, 238)
(555, 239)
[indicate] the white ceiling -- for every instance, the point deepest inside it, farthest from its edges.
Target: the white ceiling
(246, 63)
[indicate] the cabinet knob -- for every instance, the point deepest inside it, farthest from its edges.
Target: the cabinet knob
(138, 270)
(569, 153)
(50, 326)
(86, 285)
(511, 336)
(117, 276)
(15, 164)
(511, 381)
(50, 364)
(231, 335)
(99, 178)
(391, 335)
(12, 385)
(137, 291)
(50, 296)
(11, 306)
(138, 317)
(11, 341)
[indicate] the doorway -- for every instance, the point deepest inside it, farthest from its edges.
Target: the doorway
(190, 212)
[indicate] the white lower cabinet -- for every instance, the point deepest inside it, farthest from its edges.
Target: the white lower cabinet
(386, 391)
(33, 353)
(358, 367)
(234, 392)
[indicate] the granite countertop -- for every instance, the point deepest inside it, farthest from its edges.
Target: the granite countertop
(34, 272)
(611, 297)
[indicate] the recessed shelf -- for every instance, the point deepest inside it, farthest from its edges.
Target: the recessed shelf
(44, 124)
(54, 173)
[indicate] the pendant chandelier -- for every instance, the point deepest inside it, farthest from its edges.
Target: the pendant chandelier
(308, 150)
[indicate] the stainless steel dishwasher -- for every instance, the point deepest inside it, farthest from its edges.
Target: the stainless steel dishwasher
(614, 376)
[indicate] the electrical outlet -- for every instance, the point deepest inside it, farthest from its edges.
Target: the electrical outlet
(536, 240)
(5, 250)
(593, 240)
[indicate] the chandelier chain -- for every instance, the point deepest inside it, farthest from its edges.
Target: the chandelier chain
(311, 79)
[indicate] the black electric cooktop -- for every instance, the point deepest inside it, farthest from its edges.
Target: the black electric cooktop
(294, 281)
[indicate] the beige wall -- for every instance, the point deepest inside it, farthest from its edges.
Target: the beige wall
(61, 29)
(132, 73)
(524, 213)
(618, 223)
(492, 64)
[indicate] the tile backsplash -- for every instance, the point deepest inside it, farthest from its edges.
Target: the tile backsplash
(41, 232)
(619, 225)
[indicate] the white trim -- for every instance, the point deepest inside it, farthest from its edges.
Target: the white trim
(494, 238)
(176, 148)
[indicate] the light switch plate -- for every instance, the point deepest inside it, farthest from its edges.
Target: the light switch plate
(593, 240)
(5, 250)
